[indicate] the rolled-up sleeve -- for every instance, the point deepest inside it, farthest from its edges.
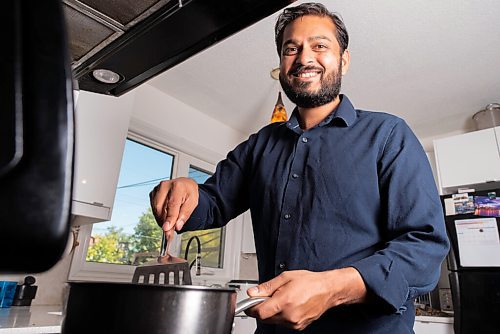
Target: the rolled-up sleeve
(408, 263)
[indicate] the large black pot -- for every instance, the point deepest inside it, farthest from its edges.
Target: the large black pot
(140, 308)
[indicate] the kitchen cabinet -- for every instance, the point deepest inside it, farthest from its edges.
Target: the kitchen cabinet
(433, 325)
(101, 127)
(468, 160)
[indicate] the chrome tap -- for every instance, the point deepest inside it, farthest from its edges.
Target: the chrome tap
(197, 261)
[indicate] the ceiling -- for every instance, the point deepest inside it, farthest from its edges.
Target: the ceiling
(433, 63)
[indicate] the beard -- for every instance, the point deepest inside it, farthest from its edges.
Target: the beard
(328, 91)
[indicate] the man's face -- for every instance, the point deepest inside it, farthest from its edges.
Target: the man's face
(311, 64)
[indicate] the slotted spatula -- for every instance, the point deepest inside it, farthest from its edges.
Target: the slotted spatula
(167, 269)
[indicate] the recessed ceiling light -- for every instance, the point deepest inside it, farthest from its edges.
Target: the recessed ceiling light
(275, 73)
(106, 76)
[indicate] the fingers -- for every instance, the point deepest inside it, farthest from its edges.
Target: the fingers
(173, 202)
(186, 210)
(295, 300)
(267, 289)
(171, 209)
(270, 309)
(157, 198)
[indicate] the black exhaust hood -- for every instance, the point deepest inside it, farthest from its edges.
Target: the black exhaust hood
(139, 43)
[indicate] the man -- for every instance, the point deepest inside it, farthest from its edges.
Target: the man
(347, 221)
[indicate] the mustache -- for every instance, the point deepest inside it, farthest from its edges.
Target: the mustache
(299, 68)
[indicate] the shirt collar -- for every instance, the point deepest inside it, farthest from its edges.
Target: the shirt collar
(345, 112)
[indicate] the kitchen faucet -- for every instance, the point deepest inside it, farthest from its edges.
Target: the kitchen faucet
(197, 261)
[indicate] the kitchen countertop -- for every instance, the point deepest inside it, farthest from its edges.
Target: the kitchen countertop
(31, 319)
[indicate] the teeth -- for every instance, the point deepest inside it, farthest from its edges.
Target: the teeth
(307, 74)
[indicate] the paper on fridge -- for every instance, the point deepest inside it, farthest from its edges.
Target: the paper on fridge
(478, 242)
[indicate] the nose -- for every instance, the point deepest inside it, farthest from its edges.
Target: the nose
(305, 56)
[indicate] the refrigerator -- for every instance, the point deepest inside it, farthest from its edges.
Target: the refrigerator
(473, 222)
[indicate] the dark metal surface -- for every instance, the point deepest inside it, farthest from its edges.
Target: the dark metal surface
(165, 270)
(35, 185)
(85, 33)
(123, 11)
(163, 273)
(129, 308)
(164, 37)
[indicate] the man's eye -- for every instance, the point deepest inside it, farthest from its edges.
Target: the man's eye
(290, 51)
(321, 46)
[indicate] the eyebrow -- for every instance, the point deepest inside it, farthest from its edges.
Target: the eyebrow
(312, 38)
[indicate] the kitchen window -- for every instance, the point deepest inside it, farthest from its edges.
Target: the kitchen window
(109, 251)
(132, 236)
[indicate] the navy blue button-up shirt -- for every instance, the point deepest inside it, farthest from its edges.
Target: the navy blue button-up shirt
(356, 190)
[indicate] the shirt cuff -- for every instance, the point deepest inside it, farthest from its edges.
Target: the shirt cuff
(383, 279)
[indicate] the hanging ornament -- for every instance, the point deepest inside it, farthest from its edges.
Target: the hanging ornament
(279, 112)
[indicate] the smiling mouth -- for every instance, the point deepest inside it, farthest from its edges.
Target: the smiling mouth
(305, 73)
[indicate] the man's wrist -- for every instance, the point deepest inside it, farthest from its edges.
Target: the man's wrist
(346, 286)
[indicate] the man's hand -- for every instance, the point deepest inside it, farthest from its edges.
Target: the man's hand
(300, 297)
(173, 202)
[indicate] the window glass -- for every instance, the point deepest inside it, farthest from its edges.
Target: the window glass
(132, 236)
(212, 241)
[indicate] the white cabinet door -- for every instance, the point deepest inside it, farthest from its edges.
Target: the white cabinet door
(101, 127)
(468, 159)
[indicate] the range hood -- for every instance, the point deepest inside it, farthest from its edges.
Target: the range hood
(140, 39)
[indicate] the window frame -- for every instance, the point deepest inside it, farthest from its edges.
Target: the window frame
(81, 270)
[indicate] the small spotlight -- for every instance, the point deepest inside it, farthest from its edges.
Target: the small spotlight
(106, 76)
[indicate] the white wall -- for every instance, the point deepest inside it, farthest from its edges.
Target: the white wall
(180, 126)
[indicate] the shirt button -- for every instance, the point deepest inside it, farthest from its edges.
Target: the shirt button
(287, 216)
(294, 175)
(304, 139)
(282, 265)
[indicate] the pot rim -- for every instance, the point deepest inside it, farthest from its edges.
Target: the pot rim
(151, 286)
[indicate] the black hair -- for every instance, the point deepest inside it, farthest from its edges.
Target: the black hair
(311, 8)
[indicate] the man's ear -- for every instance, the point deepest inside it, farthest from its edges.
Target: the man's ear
(346, 60)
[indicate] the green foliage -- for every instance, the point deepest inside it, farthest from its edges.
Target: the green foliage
(110, 248)
(115, 246)
(147, 233)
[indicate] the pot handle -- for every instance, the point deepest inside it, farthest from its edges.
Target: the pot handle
(244, 304)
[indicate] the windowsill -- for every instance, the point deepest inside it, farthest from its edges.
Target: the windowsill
(31, 319)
